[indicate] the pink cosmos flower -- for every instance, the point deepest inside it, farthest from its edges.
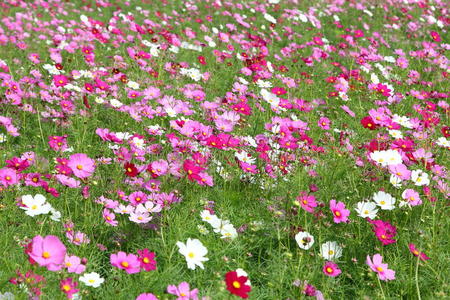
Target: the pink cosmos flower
(340, 213)
(73, 264)
(416, 252)
(60, 80)
(128, 262)
(412, 197)
(324, 123)
(48, 252)
(8, 177)
(146, 296)
(401, 171)
(183, 291)
(381, 269)
(81, 165)
(307, 202)
(68, 286)
(138, 197)
(331, 269)
(110, 217)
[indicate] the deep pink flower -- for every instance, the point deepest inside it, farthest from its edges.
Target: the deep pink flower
(68, 286)
(331, 269)
(381, 269)
(147, 260)
(416, 252)
(48, 252)
(128, 262)
(340, 213)
(81, 165)
(324, 123)
(60, 80)
(384, 231)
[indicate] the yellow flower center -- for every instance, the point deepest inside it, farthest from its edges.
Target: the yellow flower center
(236, 284)
(79, 167)
(45, 254)
(337, 214)
(331, 252)
(66, 287)
(91, 280)
(379, 269)
(191, 254)
(124, 264)
(146, 260)
(329, 270)
(382, 202)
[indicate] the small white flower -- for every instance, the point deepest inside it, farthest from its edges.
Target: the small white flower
(366, 210)
(2, 138)
(228, 231)
(330, 250)
(115, 103)
(213, 220)
(35, 205)
(384, 200)
(194, 252)
(396, 134)
(304, 240)
(133, 85)
(92, 279)
(395, 181)
(420, 178)
(442, 141)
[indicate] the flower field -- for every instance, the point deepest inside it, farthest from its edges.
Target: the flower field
(223, 149)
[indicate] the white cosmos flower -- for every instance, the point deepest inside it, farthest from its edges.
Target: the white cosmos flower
(396, 134)
(304, 240)
(35, 205)
(213, 220)
(386, 157)
(384, 200)
(92, 279)
(330, 250)
(366, 209)
(244, 157)
(194, 252)
(420, 178)
(443, 142)
(133, 85)
(395, 181)
(270, 18)
(228, 231)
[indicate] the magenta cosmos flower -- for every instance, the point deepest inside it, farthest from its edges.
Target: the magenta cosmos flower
(416, 252)
(81, 165)
(381, 269)
(339, 211)
(8, 177)
(48, 252)
(307, 202)
(331, 269)
(128, 262)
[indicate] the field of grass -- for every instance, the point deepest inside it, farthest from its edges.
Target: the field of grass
(262, 113)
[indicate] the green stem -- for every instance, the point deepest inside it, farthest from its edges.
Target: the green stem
(417, 278)
(381, 288)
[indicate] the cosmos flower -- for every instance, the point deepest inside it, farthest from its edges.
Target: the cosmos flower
(237, 285)
(194, 252)
(48, 252)
(92, 279)
(304, 240)
(81, 165)
(381, 269)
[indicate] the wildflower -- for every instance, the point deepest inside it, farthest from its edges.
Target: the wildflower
(307, 202)
(331, 269)
(213, 220)
(194, 252)
(8, 177)
(381, 269)
(366, 210)
(330, 250)
(386, 157)
(48, 252)
(68, 286)
(147, 260)
(146, 296)
(411, 197)
(73, 264)
(339, 211)
(384, 200)
(36, 205)
(92, 279)
(304, 240)
(324, 123)
(384, 231)
(81, 165)
(420, 178)
(416, 252)
(237, 285)
(128, 262)
(183, 291)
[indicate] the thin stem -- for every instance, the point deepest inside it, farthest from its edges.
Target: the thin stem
(417, 278)
(381, 288)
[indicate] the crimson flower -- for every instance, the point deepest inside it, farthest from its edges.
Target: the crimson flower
(237, 284)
